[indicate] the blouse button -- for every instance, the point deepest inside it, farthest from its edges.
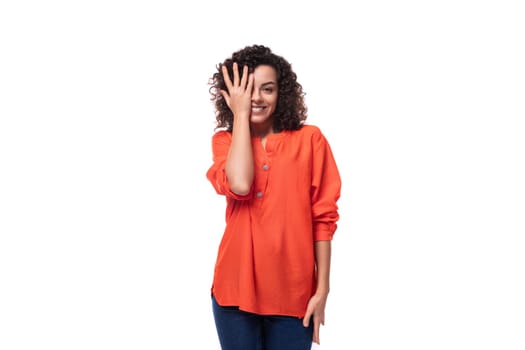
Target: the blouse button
(265, 167)
(259, 194)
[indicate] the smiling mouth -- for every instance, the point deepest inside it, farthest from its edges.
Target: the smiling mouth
(257, 108)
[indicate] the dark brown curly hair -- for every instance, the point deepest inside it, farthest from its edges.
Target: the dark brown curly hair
(290, 112)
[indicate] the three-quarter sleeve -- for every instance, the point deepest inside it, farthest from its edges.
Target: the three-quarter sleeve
(325, 189)
(216, 174)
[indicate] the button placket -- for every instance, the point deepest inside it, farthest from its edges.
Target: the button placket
(262, 175)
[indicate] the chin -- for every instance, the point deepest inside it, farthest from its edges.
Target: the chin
(259, 119)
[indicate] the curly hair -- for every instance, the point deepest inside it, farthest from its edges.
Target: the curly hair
(290, 112)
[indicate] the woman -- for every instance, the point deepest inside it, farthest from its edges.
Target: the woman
(281, 183)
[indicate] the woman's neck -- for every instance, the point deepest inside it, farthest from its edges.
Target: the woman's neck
(261, 132)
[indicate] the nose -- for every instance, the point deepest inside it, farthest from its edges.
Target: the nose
(256, 96)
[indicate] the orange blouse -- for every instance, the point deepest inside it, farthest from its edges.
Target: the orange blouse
(266, 263)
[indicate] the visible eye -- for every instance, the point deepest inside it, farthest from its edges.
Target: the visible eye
(268, 90)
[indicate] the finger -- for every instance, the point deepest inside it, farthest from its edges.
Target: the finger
(225, 96)
(249, 87)
(306, 319)
(244, 76)
(235, 74)
(226, 77)
(316, 332)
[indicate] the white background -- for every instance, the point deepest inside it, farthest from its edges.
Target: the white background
(109, 228)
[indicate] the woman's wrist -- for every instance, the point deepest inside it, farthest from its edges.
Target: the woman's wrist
(322, 291)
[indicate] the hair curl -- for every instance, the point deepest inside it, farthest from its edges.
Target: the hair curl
(290, 112)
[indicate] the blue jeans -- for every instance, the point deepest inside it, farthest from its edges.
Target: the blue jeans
(240, 330)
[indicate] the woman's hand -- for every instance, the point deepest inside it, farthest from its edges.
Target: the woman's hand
(239, 94)
(315, 309)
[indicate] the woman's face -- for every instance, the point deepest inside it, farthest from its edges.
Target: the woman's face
(264, 96)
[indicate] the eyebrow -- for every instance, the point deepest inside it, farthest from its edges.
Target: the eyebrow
(269, 83)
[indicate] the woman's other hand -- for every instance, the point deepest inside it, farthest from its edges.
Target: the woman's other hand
(315, 309)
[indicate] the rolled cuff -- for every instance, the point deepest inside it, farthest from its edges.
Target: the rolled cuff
(324, 231)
